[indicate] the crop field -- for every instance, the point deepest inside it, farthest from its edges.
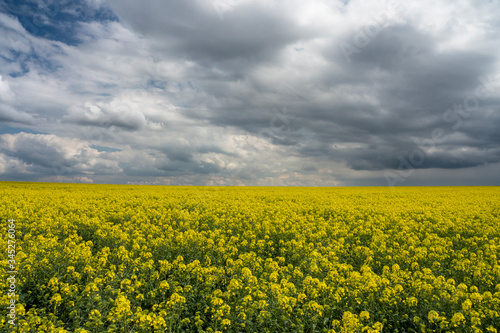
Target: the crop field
(120, 258)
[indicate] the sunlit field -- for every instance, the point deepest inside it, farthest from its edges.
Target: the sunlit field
(114, 258)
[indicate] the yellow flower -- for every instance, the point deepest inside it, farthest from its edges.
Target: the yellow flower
(315, 308)
(56, 299)
(466, 305)
(412, 301)
(176, 300)
(476, 297)
(433, 316)
(234, 284)
(94, 314)
(122, 305)
(458, 319)
(350, 322)
(246, 272)
(164, 285)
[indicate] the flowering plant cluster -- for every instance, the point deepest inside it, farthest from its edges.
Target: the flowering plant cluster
(115, 258)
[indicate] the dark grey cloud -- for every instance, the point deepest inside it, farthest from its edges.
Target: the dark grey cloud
(191, 29)
(371, 159)
(177, 168)
(109, 120)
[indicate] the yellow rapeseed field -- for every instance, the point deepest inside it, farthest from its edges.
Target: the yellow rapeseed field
(115, 258)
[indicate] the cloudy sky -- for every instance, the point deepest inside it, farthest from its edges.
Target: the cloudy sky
(250, 92)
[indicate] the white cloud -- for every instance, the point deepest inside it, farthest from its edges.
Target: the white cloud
(84, 180)
(8, 112)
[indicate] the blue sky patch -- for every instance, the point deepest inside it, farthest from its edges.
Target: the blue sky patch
(54, 20)
(104, 148)
(4, 129)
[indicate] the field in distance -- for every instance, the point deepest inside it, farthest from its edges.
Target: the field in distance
(116, 258)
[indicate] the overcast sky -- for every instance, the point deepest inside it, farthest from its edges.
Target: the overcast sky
(250, 92)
